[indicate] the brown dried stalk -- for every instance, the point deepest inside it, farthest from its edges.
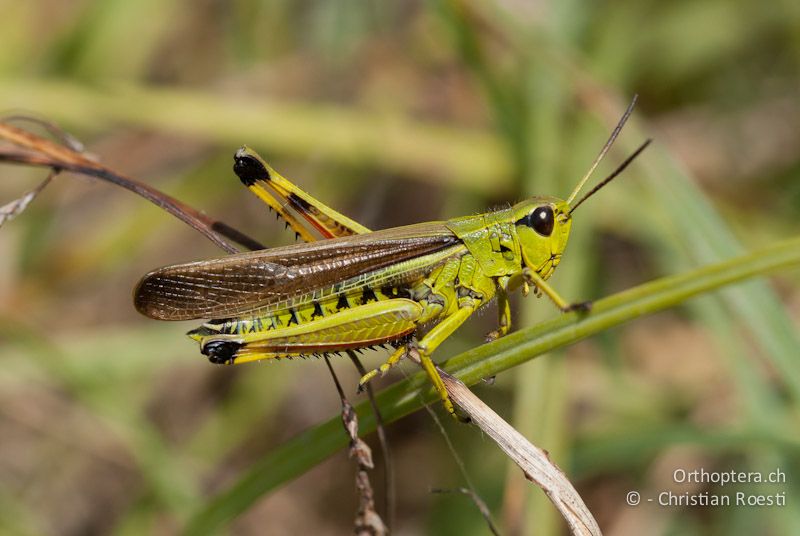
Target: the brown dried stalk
(535, 463)
(368, 522)
(37, 151)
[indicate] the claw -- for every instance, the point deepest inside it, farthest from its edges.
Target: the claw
(581, 307)
(463, 419)
(448, 405)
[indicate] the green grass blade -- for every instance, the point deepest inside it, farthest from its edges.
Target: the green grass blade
(301, 453)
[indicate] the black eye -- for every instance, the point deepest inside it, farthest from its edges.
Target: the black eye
(540, 220)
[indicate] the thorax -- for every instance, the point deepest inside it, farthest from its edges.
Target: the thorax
(492, 239)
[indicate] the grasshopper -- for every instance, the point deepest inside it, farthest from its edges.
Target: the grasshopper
(360, 288)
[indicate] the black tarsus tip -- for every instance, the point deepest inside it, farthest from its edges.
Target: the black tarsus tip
(581, 307)
(463, 419)
(248, 168)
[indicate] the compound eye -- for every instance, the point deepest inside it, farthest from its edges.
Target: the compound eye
(542, 220)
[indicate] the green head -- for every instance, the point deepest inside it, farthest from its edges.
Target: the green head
(543, 223)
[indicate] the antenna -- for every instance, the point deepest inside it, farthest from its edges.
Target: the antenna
(611, 177)
(604, 150)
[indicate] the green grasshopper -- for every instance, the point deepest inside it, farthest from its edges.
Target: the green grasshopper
(359, 288)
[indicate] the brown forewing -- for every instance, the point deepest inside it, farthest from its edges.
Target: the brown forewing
(237, 284)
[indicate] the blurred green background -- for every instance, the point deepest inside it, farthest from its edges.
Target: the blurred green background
(396, 113)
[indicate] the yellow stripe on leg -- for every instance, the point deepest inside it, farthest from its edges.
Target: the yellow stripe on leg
(432, 340)
(384, 368)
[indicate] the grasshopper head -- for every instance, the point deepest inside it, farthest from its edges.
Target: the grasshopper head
(542, 225)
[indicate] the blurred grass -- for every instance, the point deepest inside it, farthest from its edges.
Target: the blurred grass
(437, 108)
(476, 160)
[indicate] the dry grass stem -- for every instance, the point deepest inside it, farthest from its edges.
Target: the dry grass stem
(534, 462)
